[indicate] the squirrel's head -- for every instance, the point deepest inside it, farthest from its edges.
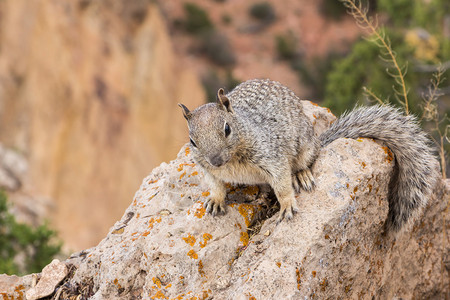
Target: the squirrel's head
(211, 130)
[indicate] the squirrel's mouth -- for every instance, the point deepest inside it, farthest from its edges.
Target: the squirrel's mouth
(216, 161)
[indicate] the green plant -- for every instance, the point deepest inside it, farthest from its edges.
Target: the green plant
(332, 9)
(196, 20)
(217, 48)
(212, 82)
(286, 45)
(36, 245)
(263, 12)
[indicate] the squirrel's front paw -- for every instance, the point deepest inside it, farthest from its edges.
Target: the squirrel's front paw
(215, 207)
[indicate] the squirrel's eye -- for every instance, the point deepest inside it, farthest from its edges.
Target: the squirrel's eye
(192, 142)
(227, 130)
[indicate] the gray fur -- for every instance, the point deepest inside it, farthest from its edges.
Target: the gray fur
(271, 141)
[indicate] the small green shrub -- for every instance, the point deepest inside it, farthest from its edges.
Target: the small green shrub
(263, 12)
(286, 46)
(37, 245)
(196, 20)
(332, 9)
(212, 82)
(217, 48)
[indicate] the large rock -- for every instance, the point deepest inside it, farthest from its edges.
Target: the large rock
(167, 247)
(88, 92)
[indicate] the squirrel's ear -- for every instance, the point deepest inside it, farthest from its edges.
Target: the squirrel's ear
(186, 112)
(222, 99)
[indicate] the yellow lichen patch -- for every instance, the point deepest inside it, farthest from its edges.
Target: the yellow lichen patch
(363, 164)
(157, 282)
(118, 231)
(192, 254)
(194, 173)
(315, 117)
(187, 151)
(200, 211)
(205, 194)
(182, 175)
(181, 166)
(193, 184)
(247, 211)
(251, 190)
(200, 268)
(389, 155)
(146, 233)
(116, 282)
(159, 295)
(153, 181)
(278, 264)
(244, 238)
(151, 222)
(152, 196)
(359, 139)
(189, 240)
(206, 238)
(299, 278)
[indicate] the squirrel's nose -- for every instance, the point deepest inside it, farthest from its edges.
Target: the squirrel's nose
(216, 161)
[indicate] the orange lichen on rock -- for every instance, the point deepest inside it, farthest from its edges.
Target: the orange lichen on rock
(182, 175)
(389, 154)
(244, 238)
(200, 211)
(192, 254)
(194, 173)
(200, 268)
(206, 238)
(251, 190)
(205, 194)
(157, 282)
(190, 240)
(187, 151)
(247, 211)
(153, 181)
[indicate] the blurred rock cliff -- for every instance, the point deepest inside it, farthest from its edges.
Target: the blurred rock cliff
(88, 94)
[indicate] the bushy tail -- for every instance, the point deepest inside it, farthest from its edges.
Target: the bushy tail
(416, 172)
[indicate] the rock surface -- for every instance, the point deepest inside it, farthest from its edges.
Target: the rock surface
(86, 88)
(51, 276)
(167, 247)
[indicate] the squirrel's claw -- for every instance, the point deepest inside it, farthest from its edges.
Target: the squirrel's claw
(287, 212)
(215, 208)
(305, 179)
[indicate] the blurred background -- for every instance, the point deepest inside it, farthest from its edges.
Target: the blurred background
(89, 92)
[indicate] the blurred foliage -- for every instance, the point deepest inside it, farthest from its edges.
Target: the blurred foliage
(263, 12)
(332, 9)
(217, 48)
(212, 82)
(196, 19)
(24, 249)
(286, 45)
(416, 40)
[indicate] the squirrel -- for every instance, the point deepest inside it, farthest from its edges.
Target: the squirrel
(258, 134)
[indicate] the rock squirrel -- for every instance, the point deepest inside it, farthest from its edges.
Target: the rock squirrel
(258, 134)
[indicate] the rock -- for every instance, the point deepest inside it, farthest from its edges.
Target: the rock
(13, 167)
(14, 287)
(166, 246)
(52, 274)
